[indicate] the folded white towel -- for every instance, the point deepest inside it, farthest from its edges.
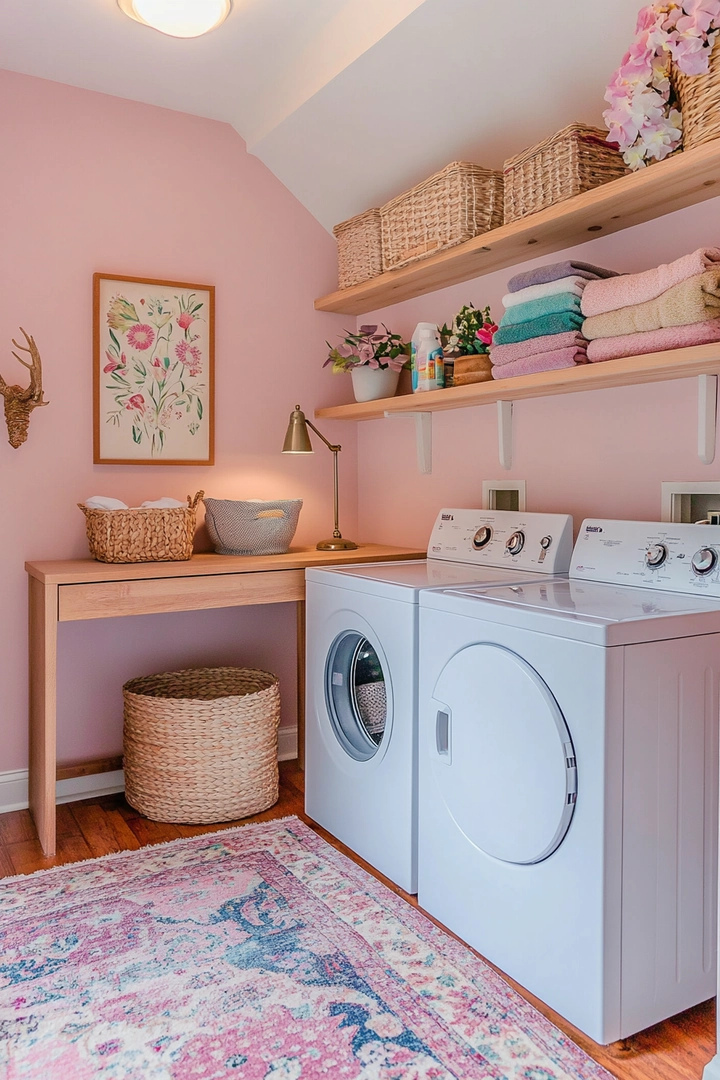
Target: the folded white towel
(164, 504)
(574, 285)
(104, 502)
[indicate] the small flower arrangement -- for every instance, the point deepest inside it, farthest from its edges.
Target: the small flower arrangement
(368, 347)
(643, 119)
(471, 332)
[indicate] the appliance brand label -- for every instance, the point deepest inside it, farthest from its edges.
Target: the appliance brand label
(593, 528)
(447, 517)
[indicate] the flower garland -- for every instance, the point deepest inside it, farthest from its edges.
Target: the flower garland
(642, 118)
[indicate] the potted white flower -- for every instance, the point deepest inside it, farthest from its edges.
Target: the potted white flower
(373, 359)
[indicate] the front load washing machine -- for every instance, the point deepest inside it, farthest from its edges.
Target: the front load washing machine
(568, 774)
(361, 676)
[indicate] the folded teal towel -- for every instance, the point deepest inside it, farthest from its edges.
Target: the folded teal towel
(535, 309)
(559, 323)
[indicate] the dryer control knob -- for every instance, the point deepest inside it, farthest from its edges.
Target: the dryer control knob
(515, 543)
(482, 537)
(656, 555)
(546, 542)
(704, 560)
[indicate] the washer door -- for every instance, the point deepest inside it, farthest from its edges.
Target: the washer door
(355, 694)
(504, 758)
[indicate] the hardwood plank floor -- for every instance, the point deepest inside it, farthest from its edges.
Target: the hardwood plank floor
(677, 1049)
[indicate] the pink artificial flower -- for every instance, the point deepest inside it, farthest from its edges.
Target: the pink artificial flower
(141, 336)
(185, 319)
(189, 355)
(647, 19)
(137, 401)
(486, 333)
(699, 15)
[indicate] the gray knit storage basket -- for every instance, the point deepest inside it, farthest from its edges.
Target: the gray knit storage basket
(251, 526)
(200, 745)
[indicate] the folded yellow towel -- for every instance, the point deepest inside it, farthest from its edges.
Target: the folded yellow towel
(695, 300)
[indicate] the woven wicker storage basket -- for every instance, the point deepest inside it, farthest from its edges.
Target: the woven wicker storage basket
(200, 745)
(461, 201)
(573, 160)
(359, 248)
(142, 534)
(699, 100)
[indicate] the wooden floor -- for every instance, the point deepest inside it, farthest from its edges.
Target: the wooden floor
(675, 1050)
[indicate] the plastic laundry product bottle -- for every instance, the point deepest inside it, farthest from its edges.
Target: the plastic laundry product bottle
(428, 372)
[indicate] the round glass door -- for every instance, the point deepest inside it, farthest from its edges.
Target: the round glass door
(356, 695)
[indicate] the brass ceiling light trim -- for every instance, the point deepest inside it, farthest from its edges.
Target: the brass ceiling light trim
(178, 18)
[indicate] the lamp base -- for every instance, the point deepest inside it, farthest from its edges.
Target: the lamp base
(336, 544)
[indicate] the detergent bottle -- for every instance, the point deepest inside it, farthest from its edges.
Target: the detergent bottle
(426, 358)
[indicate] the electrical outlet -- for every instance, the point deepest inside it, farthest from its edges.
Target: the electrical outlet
(691, 501)
(504, 495)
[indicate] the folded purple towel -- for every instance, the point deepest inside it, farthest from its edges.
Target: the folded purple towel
(554, 271)
(649, 341)
(548, 361)
(518, 350)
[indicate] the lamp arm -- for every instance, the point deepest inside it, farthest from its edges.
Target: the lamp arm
(330, 446)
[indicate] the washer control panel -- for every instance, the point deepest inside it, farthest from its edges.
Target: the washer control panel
(540, 542)
(661, 555)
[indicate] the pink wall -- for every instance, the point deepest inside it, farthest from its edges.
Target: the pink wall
(603, 453)
(95, 183)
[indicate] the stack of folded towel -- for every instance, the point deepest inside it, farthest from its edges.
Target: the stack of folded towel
(541, 327)
(674, 305)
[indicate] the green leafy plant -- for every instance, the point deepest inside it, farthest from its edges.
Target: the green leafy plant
(471, 332)
(368, 347)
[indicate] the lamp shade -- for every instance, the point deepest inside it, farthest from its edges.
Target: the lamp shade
(297, 438)
(178, 18)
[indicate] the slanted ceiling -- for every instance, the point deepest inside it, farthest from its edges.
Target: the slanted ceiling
(348, 102)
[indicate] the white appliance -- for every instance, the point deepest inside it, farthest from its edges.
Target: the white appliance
(361, 704)
(568, 735)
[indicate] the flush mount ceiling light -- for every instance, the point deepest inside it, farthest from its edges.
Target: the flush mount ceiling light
(178, 18)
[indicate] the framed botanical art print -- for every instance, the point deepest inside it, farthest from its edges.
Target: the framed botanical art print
(153, 372)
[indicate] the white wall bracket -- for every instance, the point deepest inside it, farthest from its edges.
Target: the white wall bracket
(505, 433)
(423, 437)
(707, 417)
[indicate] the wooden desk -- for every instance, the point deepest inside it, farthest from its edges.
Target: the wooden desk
(86, 589)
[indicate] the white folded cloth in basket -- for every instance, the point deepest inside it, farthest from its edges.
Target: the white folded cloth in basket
(164, 504)
(104, 502)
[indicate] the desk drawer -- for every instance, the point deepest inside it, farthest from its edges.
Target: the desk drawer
(108, 599)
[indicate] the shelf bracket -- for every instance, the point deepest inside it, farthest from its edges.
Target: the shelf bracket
(707, 417)
(423, 437)
(505, 433)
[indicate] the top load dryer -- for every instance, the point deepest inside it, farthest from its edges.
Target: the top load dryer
(361, 753)
(568, 744)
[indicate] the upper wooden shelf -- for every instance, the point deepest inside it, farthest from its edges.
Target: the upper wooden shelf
(682, 180)
(653, 367)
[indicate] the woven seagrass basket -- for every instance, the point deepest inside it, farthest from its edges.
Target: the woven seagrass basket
(574, 160)
(359, 248)
(699, 100)
(459, 202)
(142, 534)
(200, 745)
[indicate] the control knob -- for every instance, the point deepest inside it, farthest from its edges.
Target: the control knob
(515, 543)
(482, 537)
(656, 555)
(704, 560)
(546, 542)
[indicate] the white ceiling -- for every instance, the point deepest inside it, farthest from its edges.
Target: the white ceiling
(348, 102)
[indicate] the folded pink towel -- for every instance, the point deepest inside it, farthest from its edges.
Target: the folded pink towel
(671, 337)
(547, 361)
(619, 292)
(517, 350)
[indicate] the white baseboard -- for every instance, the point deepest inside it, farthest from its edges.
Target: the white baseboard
(14, 784)
(712, 1069)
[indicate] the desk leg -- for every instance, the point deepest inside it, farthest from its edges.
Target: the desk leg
(301, 683)
(43, 611)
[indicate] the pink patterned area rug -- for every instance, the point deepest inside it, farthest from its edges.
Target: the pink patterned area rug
(260, 953)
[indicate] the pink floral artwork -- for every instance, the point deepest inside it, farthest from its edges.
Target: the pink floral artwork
(153, 371)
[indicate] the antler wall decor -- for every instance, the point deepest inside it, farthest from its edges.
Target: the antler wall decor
(20, 401)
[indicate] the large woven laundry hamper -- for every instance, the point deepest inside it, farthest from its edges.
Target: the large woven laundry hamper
(200, 745)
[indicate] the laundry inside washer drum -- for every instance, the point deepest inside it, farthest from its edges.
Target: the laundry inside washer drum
(357, 696)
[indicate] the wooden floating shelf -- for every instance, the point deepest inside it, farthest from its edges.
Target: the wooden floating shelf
(683, 180)
(628, 371)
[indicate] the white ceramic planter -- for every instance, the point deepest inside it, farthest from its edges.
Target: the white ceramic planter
(370, 384)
